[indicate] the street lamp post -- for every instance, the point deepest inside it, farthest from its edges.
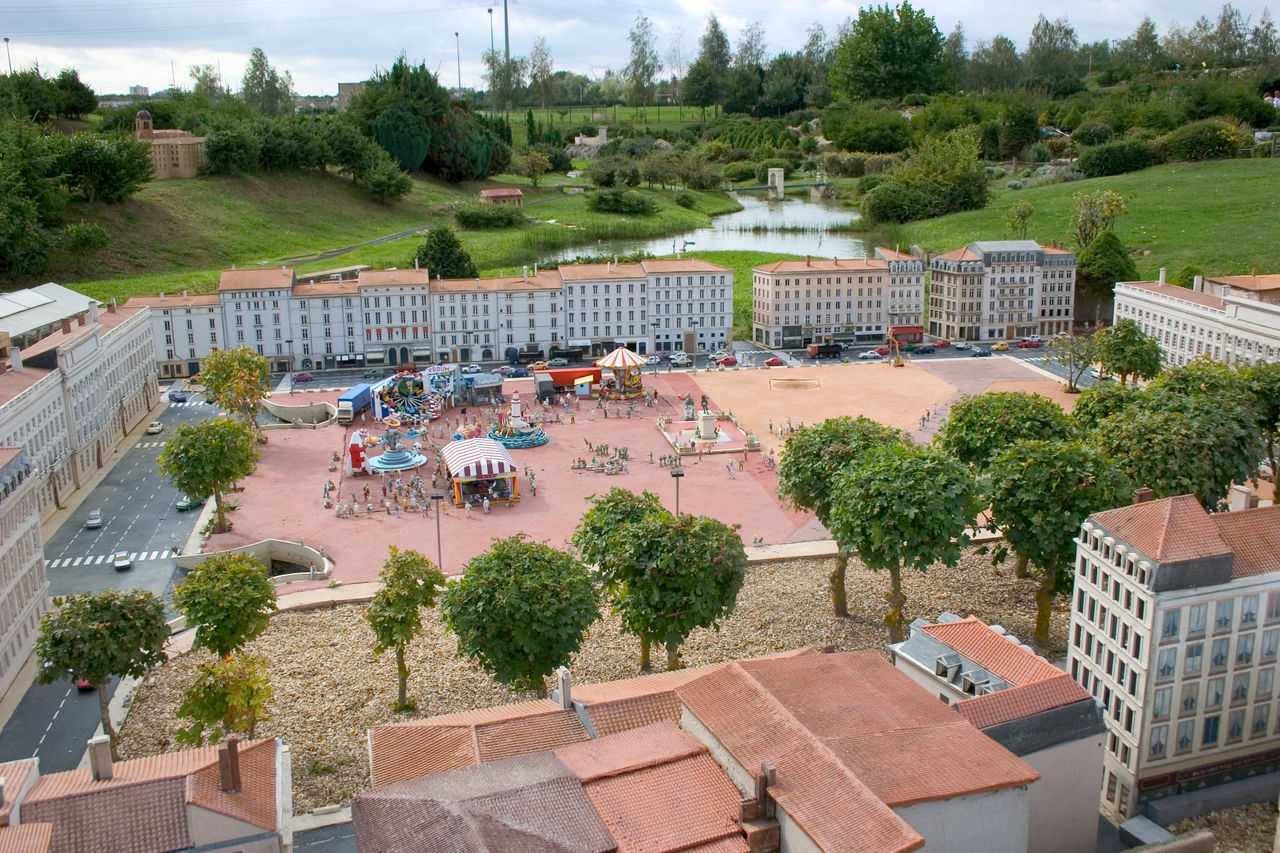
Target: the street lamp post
(676, 474)
(289, 343)
(655, 325)
(437, 497)
(490, 29)
(457, 44)
(8, 55)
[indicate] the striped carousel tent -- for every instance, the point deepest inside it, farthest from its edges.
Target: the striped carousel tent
(625, 366)
(620, 359)
(480, 466)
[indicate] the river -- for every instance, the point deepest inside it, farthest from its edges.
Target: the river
(794, 226)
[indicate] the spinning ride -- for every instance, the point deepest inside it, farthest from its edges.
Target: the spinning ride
(396, 457)
(515, 430)
(625, 366)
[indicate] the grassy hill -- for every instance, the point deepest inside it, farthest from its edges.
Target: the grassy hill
(1219, 215)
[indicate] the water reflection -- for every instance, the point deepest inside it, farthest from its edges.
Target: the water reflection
(763, 225)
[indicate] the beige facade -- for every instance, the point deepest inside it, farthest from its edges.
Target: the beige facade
(23, 586)
(1000, 289)
(174, 153)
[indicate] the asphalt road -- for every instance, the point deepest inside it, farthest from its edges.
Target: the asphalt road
(53, 721)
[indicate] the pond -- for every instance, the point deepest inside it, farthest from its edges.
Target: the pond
(795, 225)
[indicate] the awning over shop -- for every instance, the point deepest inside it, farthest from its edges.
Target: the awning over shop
(476, 458)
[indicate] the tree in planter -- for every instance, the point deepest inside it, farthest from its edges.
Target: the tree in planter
(812, 457)
(443, 256)
(227, 695)
(1075, 353)
(410, 584)
(667, 575)
(229, 599)
(237, 380)
(95, 636)
(1040, 493)
(980, 426)
(1125, 350)
(520, 610)
(903, 506)
(207, 459)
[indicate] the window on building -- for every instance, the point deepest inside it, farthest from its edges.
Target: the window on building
(1222, 615)
(1197, 617)
(1161, 703)
(1218, 658)
(1244, 650)
(1261, 715)
(1194, 658)
(1209, 736)
(1167, 663)
(1186, 731)
(1172, 618)
(1249, 610)
(1213, 695)
(1159, 734)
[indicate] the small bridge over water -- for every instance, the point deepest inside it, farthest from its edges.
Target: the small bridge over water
(777, 185)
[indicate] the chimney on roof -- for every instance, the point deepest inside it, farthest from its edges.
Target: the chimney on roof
(1143, 495)
(100, 758)
(526, 272)
(563, 693)
(1160, 280)
(162, 296)
(1241, 497)
(80, 318)
(284, 270)
(1197, 284)
(415, 264)
(229, 766)
(756, 814)
(111, 305)
(15, 359)
(808, 260)
(66, 325)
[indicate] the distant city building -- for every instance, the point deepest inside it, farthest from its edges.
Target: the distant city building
(139, 92)
(347, 91)
(174, 153)
(1175, 629)
(1233, 318)
(836, 300)
(1001, 289)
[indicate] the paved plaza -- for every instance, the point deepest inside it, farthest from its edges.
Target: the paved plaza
(284, 498)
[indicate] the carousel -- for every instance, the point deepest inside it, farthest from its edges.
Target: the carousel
(626, 381)
(515, 429)
(480, 468)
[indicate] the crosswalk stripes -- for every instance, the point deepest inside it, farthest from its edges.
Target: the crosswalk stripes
(98, 559)
(151, 444)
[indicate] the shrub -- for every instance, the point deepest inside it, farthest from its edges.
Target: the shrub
(1092, 133)
(994, 172)
(1013, 185)
(622, 201)
(1114, 158)
(737, 155)
(882, 162)
(613, 172)
(736, 172)
(481, 216)
(845, 165)
(1037, 153)
(686, 199)
(762, 169)
(559, 158)
(861, 128)
(81, 238)
(1058, 145)
(1210, 139)
(869, 182)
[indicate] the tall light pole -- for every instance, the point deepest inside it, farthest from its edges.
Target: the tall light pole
(8, 55)
(491, 29)
(437, 497)
(676, 474)
(457, 43)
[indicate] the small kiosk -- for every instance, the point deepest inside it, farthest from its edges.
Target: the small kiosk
(480, 468)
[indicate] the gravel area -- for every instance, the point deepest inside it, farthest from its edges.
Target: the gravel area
(329, 689)
(1246, 829)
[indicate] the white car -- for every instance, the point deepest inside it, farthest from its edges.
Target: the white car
(961, 345)
(869, 355)
(94, 521)
(471, 368)
(121, 561)
(653, 359)
(680, 360)
(154, 428)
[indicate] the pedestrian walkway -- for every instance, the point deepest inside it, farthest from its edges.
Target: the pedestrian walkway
(99, 559)
(151, 444)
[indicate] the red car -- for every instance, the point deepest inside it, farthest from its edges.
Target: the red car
(942, 344)
(1028, 344)
(773, 361)
(884, 350)
(727, 361)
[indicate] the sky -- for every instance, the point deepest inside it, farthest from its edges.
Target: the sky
(115, 44)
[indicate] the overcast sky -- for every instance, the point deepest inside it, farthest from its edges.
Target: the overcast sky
(115, 44)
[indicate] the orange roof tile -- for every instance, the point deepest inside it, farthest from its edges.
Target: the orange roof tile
(976, 641)
(825, 265)
(266, 278)
(518, 737)
(657, 265)
(255, 803)
(502, 192)
(963, 254)
(1169, 530)
(1017, 702)
(1172, 290)
(1254, 536)
(599, 272)
(405, 751)
(174, 300)
(542, 280)
(629, 751)
(893, 255)
(16, 774)
(27, 838)
(1248, 282)
(393, 278)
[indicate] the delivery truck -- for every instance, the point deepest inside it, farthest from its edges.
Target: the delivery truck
(353, 401)
(823, 350)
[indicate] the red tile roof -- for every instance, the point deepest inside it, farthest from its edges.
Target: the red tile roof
(1254, 536)
(174, 300)
(16, 774)
(1017, 702)
(1249, 282)
(656, 265)
(1001, 655)
(255, 803)
(1168, 530)
(825, 265)
(27, 838)
(894, 255)
(266, 278)
(393, 278)
(963, 254)
(1173, 291)
(502, 192)
(599, 272)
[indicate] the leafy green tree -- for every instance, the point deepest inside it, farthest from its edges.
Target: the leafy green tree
(404, 133)
(533, 165)
(521, 610)
(1142, 49)
(270, 92)
(981, 426)
(812, 457)
(1263, 381)
(228, 599)
(1074, 353)
(1186, 277)
(1019, 127)
(1094, 213)
(207, 459)
(1098, 267)
(1017, 217)
(384, 180)
(887, 53)
(995, 65)
(443, 256)
(76, 99)
(702, 87)
(714, 58)
(1125, 350)
(103, 168)
(410, 584)
(942, 175)
(231, 149)
(32, 197)
(644, 65)
(237, 380)
(227, 695)
(1099, 402)
(858, 127)
(95, 636)
(541, 69)
(1052, 49)
(609, 514)
(1040, 493)
(903, 506)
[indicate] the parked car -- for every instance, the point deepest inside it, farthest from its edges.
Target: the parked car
(680, 360)
(518, 373)
(979, 352)
(558, 362)
(941, 344)
(884, 350)
(154, 428)
(718, 354)
(94, 519)
(773, 361)
(185, 503)
(83, 685)
(472, 368)
(121, 561)
(302, 377)
(1000, 346)
(961, 345)
(727, 361)
(539, 365)
(373, 373)
(870, 354)
(177, 397)
(922, 349)
(1028, 344)
(504, 370)
(653, 359)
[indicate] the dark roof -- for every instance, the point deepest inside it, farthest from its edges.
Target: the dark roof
(527, 803)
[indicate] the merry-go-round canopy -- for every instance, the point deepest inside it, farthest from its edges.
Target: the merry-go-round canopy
(477, 458)
(620, 358)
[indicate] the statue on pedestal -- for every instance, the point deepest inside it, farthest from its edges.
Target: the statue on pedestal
(705, 405)
(688, 407)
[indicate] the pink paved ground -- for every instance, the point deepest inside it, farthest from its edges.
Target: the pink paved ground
(283, 499)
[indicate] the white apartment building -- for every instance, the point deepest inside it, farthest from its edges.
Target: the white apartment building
(823, 300)
(256, 312)
(481, 319)
(1230, 318)
(1175, 629)
(185, 329)
(1000, 289)
(23, 587)
(397, 317)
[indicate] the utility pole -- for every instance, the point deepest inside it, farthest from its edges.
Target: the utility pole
(491, 29)
(506, 42)
(458, 46)
(8, 55)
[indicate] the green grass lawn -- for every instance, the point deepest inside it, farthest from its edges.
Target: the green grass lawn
(1219, 215)
(565, 117)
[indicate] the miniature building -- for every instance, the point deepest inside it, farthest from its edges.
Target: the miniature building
(1233, 318)
(174, 153)
(1175, 629)
(997, 289)
(23, 586)
(503, 195)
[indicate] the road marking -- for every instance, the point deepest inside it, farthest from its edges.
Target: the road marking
(99, 559)
(77, 562)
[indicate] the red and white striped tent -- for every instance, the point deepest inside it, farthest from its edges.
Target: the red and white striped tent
(620, 359)
(480, 467)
